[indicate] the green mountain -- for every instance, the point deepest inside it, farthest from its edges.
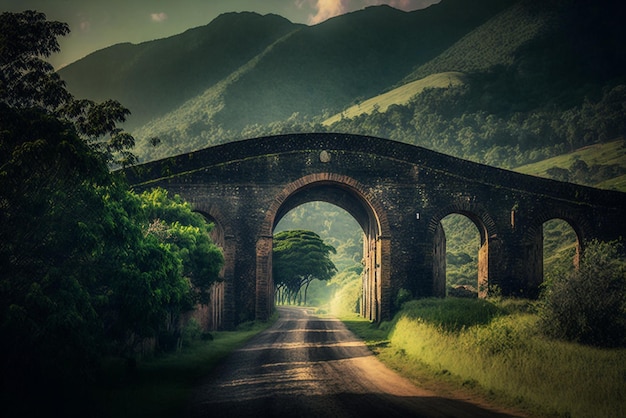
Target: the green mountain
(532, 79)
(541, 79)
(244, 69)
(540, 52)
(155, 77)
(360, 54)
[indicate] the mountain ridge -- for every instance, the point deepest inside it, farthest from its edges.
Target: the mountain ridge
(531, 74)
(154, 77)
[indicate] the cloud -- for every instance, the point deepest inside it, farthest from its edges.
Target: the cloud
(158, 17)
(325, 9)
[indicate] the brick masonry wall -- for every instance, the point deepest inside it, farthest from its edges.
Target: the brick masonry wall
(397, 192)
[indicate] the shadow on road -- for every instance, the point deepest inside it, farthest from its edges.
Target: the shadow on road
(305, 366)
(344, 405)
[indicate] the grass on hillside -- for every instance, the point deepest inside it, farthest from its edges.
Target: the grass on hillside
(159, 387)
(608, 153)
(399, 96)
(493, 349)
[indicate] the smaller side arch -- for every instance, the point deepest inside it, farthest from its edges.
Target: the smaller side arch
(534, 235)
(220, 312)
(488, 233)
(579, 224)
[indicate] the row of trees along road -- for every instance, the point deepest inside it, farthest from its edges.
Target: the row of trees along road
(88, 268)
(299, 258)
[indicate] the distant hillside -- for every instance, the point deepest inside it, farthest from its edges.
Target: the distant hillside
(533, 79)
(399, 96)
(266, 69)
(497, 41)
(347, 58)
(598, 165)
(155, 77)
(542, 52)
(535, 89)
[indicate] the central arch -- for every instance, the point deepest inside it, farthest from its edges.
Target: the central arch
(350, 195)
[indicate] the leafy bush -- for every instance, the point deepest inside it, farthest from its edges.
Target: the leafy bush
(588, 305)
(192, 331)
(403, 296)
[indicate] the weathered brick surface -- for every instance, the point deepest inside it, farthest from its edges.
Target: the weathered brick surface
(398, 193)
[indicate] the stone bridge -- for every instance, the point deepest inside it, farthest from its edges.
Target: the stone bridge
(398, 193)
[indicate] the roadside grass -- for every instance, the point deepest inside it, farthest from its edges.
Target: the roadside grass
(160, 386)
(493, 349)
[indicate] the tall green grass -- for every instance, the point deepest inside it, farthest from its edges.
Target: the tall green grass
(496, 346)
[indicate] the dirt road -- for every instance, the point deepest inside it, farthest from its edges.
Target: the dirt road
(306, 366)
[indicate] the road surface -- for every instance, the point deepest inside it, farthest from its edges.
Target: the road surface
(306, 366)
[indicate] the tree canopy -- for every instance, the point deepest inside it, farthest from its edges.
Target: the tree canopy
(28, 81)
(299, 258)
(88, 268)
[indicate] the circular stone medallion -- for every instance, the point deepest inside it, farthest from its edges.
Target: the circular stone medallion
(325, 156)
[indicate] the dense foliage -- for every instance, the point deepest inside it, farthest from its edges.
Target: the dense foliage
(588, 304)
(299, 258)
(87, 267)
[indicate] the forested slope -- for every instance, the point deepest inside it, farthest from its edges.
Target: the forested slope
(155, 77)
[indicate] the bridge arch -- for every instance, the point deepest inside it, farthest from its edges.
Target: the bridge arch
(534, 236)
(218, 312)
(396, 191)
(348, 194)
(579, 224)
(487, 230)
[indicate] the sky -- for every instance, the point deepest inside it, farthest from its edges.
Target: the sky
(96, 24)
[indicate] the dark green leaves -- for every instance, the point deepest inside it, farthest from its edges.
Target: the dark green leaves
(588, 305)
(26, 80)
(300, 257)
(81, 274)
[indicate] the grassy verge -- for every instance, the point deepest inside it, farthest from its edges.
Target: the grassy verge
(159, 387)
(493, 350)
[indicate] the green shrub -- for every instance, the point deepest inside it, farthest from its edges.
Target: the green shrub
(588, 305)
(192, 331)
(402, 297)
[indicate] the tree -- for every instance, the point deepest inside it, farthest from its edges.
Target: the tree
(186, 233)
(588, 305)
(300, 257)
(82, 274)
(27, 81)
